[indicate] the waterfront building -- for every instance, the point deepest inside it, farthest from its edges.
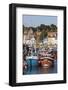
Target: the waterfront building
(52, 39)
(28, 35)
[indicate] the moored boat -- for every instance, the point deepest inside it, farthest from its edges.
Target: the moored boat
(31, 57)
(32, 60)
(46, 61)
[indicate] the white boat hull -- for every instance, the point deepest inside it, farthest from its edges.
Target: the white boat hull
(31, 57)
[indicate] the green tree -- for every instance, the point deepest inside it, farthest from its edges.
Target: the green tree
(53, 27)
(43, 35)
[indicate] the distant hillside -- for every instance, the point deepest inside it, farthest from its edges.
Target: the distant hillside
(47, 28)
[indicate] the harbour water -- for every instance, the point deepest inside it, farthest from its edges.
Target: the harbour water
(33, 68)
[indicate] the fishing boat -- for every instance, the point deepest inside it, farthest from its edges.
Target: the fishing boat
(46, 62)
(32, 60)
(45, 59)
(31, 57)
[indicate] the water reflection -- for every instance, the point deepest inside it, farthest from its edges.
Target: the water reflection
(35, 69)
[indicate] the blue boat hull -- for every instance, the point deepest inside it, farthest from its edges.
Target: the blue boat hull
(32, 62)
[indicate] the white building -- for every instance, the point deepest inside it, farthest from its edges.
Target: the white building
(52, 38)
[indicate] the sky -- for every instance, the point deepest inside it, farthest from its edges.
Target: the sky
(36, 20)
